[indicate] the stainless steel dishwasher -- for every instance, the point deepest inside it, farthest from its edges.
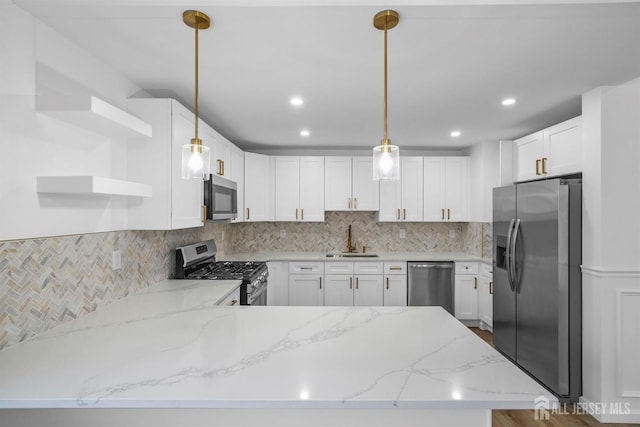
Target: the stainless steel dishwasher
(431, 283)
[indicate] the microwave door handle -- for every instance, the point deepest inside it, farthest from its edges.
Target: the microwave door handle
(513, 263)
(507, 257)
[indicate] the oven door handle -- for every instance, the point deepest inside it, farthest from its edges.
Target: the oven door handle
(256, 294)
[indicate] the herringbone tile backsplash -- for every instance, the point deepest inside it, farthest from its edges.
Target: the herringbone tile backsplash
(44, 282)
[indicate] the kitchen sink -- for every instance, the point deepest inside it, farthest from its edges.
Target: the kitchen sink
(351, 255)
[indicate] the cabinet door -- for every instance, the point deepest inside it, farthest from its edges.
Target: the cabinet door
(365, 191)
(278, 282)
(457, 188)
(563, 148)
(529, 150)
(257, 187)
(222, 164)
(395, 290)
(287, 188)
(187, 196)
(391, 207)
(485, 300)
(411, 183)
(305, 289)
(337, 183)
(368, 291)
(338, 290)
(466, 297)
(312, 189)
(434, 189)
(237, 175)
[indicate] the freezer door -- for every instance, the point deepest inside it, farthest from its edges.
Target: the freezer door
(504, 299)
(541, 290)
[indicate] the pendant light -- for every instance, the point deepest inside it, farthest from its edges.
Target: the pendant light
(386, 156)
(195, 156)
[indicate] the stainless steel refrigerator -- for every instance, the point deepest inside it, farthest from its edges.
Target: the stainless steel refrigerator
(537, 251)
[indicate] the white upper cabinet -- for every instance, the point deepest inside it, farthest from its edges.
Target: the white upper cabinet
(299, 189)
(551, 152)
(365, 191)
(176, 203)
(446, 188)
(349, 184)
(222, 163)
(237, 175)
(563, 148)
(258, 188)
(402, 200)
(529, 152)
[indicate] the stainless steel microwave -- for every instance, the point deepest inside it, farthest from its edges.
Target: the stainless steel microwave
(220, 198)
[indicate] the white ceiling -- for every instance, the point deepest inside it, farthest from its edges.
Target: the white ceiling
(449, 66)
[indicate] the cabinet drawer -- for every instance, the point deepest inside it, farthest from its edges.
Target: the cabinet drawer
(306, 267)
(232, 300)
(336, 267)
(466, 268)
(395, 268)
(367, 268)
(486, 270)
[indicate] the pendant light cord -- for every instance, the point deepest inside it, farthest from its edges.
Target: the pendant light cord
(385, 83)
(196, 94)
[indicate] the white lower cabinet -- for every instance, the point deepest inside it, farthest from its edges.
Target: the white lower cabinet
(305, 283)
(395, 284)
(485, 297)
(466, 291)
(353, 283)
(368, 290)
(278, 283)
(338, 290)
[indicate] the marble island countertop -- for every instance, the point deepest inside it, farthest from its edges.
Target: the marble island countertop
(171, 347)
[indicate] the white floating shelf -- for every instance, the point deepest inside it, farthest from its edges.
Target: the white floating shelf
(92, 113)
(88, 185)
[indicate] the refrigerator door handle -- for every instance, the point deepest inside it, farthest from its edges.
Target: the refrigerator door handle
(512, 262)
(507, 255)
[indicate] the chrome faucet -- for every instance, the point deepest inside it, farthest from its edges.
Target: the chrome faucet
(350, 246)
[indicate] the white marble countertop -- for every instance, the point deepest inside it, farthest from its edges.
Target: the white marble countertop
(170, 347)
(382, 256)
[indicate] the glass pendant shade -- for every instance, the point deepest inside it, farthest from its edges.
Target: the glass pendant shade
(386, 161)
(195, 161)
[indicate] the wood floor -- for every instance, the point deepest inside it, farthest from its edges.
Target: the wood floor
(526, 419)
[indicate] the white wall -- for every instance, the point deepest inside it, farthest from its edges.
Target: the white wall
(33, 144)
(611, 248)
(484, 175)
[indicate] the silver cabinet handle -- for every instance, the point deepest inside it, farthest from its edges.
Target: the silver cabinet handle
(507, 255)
(514, 244)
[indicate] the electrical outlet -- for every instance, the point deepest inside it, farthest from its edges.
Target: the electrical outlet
(116, 259)
(452, 233)
(403, 233)
(283, 234)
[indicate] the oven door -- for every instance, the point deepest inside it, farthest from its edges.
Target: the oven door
(258, 296)
(220, 198)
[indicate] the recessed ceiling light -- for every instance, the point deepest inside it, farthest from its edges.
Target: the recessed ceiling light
(455, 133)
(305, 132)
(297, 101)
(508, 101)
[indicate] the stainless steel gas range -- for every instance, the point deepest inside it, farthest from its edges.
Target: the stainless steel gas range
(198, 261)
